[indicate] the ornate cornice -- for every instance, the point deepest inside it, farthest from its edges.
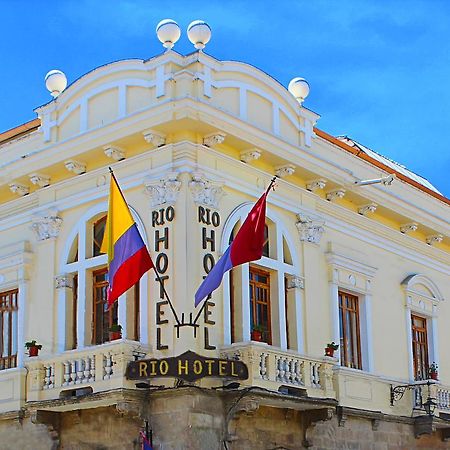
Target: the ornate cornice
(164, 190)
(314, 185)
(335, 194)
(285, 170)
(210, 140)
(46, 227)
(365, 210)
(76, 167)
(19, 189)
(39, 179)
(206, 192)
(113, 152)
(310, 229)
(250, 155)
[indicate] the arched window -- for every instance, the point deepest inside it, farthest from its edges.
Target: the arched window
(259, 301)
(83, 315)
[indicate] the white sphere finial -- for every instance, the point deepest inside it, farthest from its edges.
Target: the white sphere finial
(299, 88)
(199, 33)
(168, 32)
(55, 82)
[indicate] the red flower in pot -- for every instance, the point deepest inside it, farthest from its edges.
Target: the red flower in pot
(433, 371)
(33, 348)
(331, 348)
(115, 332)
(257, 333)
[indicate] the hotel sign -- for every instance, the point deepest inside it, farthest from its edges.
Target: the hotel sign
(188, 366)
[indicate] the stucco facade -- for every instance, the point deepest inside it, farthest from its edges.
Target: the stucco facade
(193, 142)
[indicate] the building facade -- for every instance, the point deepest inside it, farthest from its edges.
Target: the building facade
(193, 142)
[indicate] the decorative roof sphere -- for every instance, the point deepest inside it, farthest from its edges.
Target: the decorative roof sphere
(299, 88)
(199, 33)
(168, 32)
(55, 82)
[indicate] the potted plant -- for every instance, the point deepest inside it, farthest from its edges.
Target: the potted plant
(433, 371)
(33, 348)
(331, 348)
(115, 332)
(257, 333)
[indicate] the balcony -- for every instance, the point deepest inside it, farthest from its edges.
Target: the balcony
(74, 373)
(270, 368)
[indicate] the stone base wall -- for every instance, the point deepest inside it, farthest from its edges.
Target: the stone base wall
(194, 419)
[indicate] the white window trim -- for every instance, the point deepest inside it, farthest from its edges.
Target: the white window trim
(81, 267)
(426, 306)
(352, 276)
(278, 265)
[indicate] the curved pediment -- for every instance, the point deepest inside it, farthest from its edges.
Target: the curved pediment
(422, 286)
(125, 88)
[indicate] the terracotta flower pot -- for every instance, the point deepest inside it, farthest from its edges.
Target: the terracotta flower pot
(114, 335)
(33, 351)
(329, 351)
(256, 335)
(434, 375)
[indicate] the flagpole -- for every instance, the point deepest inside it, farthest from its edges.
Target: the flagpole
(271, 185)
(156, 269)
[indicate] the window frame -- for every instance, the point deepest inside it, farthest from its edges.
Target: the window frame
(349, 341)
(9, 359)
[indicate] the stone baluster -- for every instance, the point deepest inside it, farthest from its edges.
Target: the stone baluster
(107, 366)
(80, 371)
(263, 366)
(87, 369)
(66, 375)
(92, 371)
(52, 377)
(73, 372)
(46, 377)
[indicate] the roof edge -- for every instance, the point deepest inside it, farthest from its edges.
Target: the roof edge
(19, 130)
(380, 165)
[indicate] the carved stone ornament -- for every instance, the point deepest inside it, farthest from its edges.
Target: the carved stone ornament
(76, 167)
(39, 179)
(19, 189)
(115, 153)
(155, 138)
(64, 281)
(210, 140)
(46, 227)
(205, 192)
(434, 239)
(365, 210)
(250, 155)
(163, 191)
(314, 185)
(310, 229)
(295, 282)
(408, 227)
(284, 171)
(335, 194)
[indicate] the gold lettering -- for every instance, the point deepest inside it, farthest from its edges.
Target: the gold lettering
(222, 367)
(209, 363)
(182, 368)
(143, 369)
(233, 373)
(198, 367)
(153, 367)
(163, 367)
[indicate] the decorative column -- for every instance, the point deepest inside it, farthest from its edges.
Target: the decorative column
(409, 337)
(334, 308)
(296, 284)
(64, 288)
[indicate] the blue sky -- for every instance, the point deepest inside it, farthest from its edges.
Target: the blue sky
(379, 70)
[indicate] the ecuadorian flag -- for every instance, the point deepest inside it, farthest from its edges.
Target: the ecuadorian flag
(128, 257)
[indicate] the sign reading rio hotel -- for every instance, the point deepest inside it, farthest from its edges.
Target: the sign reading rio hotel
(188, 366)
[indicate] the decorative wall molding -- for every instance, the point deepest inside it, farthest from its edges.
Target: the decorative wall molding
(434, 239)
(64, 281)
(206, 192)
(365, 210)
(295, 282)
(408, 227)
(314, 185)
(335, 194)
(210, 140)
(19, 189)
(310, 229)
(154, 137)
(47, 226)
(250, 155)
(76, 167)
(40, 179)
(164, 190)
(114, 152)
(284, 171)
